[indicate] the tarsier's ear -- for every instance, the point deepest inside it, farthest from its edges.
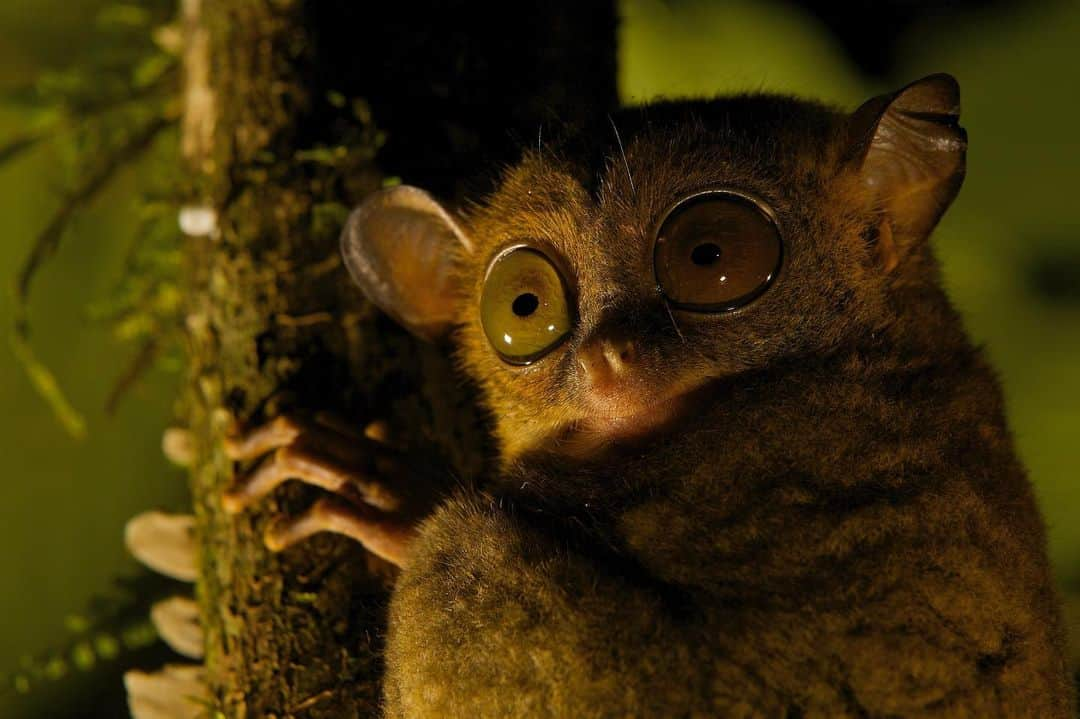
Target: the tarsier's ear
(909, 149)
(401, 247)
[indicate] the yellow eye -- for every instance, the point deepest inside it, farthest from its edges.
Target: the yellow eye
(716, 252)
(523, 306)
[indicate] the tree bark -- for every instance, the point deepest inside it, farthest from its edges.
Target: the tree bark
(293, 111)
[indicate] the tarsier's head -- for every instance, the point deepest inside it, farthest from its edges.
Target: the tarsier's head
(599, 302)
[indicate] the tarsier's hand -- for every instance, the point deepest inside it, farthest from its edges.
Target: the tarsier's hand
(379, 493)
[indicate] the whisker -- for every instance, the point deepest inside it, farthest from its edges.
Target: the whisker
(622, 151)
(667, 306)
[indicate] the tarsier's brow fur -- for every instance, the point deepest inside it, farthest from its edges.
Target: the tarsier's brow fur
(841, 530)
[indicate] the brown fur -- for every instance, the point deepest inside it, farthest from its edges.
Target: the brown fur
(839, 528)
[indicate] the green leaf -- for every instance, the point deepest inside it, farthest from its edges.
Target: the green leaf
(123, 15)
(76, 623)
(330, 156)
(152, 69)
(83, 657)
(45, 383)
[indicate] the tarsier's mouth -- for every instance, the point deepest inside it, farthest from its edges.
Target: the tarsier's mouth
(624, 418)
(640, 419)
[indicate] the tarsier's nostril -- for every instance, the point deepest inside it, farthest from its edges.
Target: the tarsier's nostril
(605, 360)
(618, 353)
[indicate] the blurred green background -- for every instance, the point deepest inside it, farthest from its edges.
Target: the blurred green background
(63, 502)
(1010, 248)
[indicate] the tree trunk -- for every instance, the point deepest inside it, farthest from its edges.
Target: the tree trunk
(293, 111)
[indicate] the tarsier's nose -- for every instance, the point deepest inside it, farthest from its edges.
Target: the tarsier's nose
(606, 360)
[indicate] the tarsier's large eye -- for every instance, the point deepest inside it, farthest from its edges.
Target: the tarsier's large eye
(715, 252)
(523, 306)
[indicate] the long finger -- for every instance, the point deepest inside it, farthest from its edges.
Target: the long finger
(279, 432)
(324, 433)
(375, 433)
(380, 535)
(313, 468)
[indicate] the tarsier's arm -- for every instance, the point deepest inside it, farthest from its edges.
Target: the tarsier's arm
(515, 622)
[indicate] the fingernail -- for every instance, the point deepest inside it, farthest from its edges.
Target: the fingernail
(231, 447)
(272, 541)
(378, 431)
(231, 503)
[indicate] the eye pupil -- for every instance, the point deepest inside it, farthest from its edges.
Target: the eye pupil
(525, 304)
(705, 254)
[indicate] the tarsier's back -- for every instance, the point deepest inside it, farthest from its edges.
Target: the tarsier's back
(750, 463)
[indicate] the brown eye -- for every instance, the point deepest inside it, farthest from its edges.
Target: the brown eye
(523, 306)
(716, 252)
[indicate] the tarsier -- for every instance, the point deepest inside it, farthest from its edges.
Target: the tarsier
(750, 464)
